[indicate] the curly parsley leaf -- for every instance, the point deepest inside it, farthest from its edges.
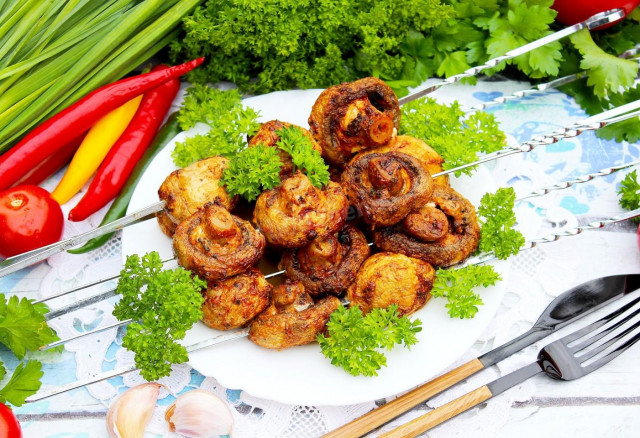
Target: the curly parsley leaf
(457, 286)
(230, 124)
(25, 381)
(457, 139)
(304, 156)
(283, 44)
(354, 340)
(629, 192)
(22, 325)
(255, 169)
(164, 304)
(497, 219)
(252, 171)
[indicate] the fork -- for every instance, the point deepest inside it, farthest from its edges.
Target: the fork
(568, 358)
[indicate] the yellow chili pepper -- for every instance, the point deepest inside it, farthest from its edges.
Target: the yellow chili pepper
(95, 146)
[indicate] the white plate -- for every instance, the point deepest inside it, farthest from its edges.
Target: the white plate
(301, 375)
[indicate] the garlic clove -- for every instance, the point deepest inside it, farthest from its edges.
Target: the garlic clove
(199, 414)
(130, 413)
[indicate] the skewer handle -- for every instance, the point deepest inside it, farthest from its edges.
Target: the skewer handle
(441, 414)
(402, 404)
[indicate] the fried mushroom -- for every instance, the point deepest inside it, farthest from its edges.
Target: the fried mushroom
(293, 318)
(296, 213)
(184, 191)
(386, 278)
(354, 116)
(428, 157)
(215, 244)
(425, 236)
(327, 265)
(386, 187)
(232, 302)
(268, 136)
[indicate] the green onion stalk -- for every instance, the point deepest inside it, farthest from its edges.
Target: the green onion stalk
(53, 52)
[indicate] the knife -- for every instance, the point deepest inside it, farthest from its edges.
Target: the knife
(564, 309)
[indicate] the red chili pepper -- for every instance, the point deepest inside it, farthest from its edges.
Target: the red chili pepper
(51, 164)
(54, 133)
(123, 156)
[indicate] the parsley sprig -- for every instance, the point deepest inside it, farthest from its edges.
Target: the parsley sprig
(229, 120)
(304, 156)
(459, 139)
(458, 285)
(257, 168)
(253, 170)
(354, 341)
(497, 220)
(164, 304)
(629, 192)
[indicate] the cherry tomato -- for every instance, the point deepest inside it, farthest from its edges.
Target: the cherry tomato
(9, 426)
(29, 219)
(572, 11)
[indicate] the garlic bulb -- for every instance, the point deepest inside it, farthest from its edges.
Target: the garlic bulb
(199, 414)
(130, 413)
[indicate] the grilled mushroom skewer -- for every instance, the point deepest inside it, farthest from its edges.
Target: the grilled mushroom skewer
(82, 303)
(245, 332)
(598, 121)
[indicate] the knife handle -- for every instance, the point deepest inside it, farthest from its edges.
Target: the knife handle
(402, 404)
(439, 415)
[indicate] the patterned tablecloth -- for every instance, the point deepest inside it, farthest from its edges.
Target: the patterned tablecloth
(606, 402)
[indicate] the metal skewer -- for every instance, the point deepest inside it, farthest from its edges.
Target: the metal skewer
(245, 332)
(13, 264)
(474, 260)
(592, 123)
(541, 88)
(615, 115)
(590, 23)
(577, 180)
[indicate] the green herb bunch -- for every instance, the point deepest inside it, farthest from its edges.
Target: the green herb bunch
(285, 44)
(257, 168)
(251, 170)
(163, 304)
(354, 340)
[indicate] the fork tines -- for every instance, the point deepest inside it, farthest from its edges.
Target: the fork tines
(581, 349)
